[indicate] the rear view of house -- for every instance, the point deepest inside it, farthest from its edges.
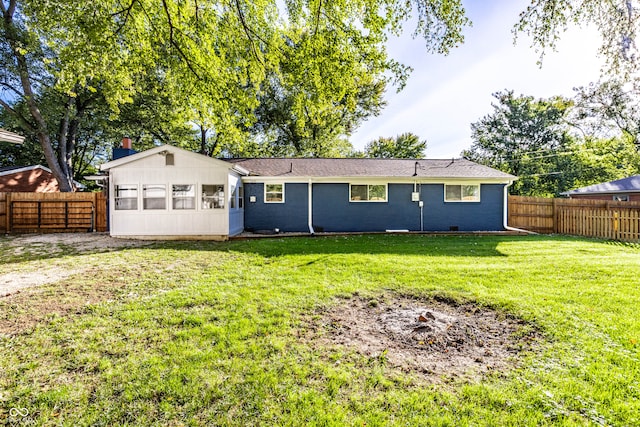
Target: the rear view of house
(341, 195)
(167, 192)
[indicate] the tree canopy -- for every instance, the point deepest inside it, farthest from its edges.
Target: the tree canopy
(216, 60)
(546, 143)
(403, 146)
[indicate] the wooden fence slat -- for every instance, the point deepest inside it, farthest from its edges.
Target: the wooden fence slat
(591, 218)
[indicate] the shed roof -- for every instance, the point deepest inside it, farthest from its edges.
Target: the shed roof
(624, 185)
(405, 168)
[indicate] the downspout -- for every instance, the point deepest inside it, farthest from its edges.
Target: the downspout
(310, 214)
(505, 215)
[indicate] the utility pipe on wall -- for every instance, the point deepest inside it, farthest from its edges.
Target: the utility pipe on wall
(310, 214)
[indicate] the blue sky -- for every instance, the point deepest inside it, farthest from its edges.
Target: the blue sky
(445, 94)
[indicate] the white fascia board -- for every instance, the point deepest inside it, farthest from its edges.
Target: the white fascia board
(240, 169)
(25, 169)
(13, 138)
(374, 179)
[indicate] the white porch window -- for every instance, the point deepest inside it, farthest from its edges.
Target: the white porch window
(183, 196)
(154, 196)
(213, 196)
(126, 197)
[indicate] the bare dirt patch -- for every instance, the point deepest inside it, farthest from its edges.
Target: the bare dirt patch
(435, 338)
(47, 246)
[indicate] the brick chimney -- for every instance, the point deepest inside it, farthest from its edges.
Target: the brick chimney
(124, 150)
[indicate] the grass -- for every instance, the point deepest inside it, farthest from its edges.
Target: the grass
(203, 333)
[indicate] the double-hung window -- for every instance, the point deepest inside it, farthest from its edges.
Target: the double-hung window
(462, 193)
(274, 193)
(368, 193)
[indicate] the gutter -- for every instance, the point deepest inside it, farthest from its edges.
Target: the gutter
(505, 215)
(310, 214)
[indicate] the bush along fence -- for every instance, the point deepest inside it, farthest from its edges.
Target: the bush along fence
(52, 212)
(590, 218)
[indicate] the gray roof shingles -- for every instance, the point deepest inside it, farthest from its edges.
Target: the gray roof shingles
(630, 184)
(347, 167)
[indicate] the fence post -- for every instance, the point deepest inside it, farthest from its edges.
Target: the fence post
(555, 216)
(8, 212)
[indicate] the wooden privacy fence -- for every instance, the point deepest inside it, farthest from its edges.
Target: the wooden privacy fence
(591, 218)
(52, 212)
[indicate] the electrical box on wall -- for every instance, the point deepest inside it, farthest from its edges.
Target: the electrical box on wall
(421, 203)
(252, 199)
(415, 196)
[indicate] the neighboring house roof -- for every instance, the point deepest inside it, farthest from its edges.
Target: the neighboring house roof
(625, 185)
(6, 136)
(349, 167)
(10, 170)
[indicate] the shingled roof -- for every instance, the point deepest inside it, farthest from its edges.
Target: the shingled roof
(625, 185)
(382, 168)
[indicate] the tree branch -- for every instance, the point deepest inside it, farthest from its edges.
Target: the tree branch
(174, 43)
(248, 32)
(28, 125)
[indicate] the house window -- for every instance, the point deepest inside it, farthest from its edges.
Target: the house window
(183, 196)
(621, 197)
(213, 197)
(154, 196)
(274, 193)
(462, 193)
(368, 193)
(126, 197)
(240, 197)
(232, 201)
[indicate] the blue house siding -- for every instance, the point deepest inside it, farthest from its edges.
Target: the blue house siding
(333, 212)
(288, 216)
(486, 215)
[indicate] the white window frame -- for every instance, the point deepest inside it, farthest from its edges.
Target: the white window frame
(368, 185)
(462, 200)
(151, 188)
(240, 197)
(179, 198)
(268, 192)
(215, 200)
(129, 187)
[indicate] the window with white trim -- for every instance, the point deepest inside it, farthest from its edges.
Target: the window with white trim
(213, 196)
(232, 200)
(462, 193)
(274, 193)
(183, 196)
(240, 197)
(368, 192)
(154, 196)
(126, 197)
(620, 197)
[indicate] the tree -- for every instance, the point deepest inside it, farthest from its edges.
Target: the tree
(609, 108)
(617, 21)
(211, 55)
(404, 146)
(528, 138)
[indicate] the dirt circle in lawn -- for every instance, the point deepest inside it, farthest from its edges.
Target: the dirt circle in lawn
(437, 338)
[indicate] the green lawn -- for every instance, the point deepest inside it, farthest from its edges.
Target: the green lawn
(199, 333)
